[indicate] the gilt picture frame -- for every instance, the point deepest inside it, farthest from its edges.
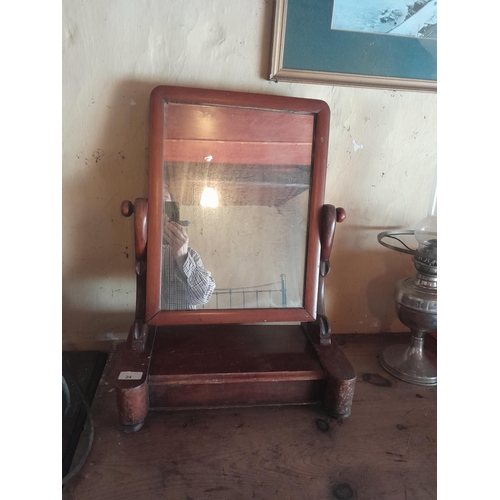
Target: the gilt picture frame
(320, 41)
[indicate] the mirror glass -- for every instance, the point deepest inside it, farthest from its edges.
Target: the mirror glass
(236, 188)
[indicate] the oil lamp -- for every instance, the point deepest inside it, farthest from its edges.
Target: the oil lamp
(416, 305)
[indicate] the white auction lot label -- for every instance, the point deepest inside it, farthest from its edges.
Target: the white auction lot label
(130, 376)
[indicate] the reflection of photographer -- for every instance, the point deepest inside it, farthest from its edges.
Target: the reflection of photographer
(185, 282)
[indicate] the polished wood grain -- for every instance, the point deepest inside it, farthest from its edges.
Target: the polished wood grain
(328, 225)
(329, 218)
(155, 198)
(139, 208)
(216, 349)
(229, 316)
(385, 450)
(233, 365)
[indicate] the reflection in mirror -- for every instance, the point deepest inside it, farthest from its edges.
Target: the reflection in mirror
(236, 187)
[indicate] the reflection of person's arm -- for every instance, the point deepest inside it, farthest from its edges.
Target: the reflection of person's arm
(199, 280)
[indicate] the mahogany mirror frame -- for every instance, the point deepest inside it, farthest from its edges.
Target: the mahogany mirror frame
(162, 95)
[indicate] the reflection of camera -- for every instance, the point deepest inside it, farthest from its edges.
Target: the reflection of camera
(171, 210)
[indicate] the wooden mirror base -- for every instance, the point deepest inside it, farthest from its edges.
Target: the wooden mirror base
(206, 366)
(214, 366)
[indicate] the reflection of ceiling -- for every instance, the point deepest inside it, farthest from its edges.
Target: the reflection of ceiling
(239, 152)
(270, 185)
(250, 156)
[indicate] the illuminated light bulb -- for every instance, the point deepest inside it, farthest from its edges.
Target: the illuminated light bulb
(209, 198)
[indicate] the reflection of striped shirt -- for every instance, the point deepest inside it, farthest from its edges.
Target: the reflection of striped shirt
(184, 288)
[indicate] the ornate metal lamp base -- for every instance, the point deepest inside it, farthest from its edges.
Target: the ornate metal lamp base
(416, 304)
(409, 362)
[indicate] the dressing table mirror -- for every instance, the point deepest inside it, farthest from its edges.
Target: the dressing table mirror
(232, 247)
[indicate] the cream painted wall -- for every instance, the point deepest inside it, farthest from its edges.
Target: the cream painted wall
(116, 52)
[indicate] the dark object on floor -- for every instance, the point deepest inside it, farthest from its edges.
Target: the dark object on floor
(81, 372)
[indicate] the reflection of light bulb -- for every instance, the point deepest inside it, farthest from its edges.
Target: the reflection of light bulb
(209, 198)
(426, 231)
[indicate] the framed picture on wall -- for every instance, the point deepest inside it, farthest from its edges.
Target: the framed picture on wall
(388, 44)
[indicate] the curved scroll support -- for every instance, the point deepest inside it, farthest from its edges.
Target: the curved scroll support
(138, 330)
(133, 367)
(329, 218)
(140, 209)
(340, 375)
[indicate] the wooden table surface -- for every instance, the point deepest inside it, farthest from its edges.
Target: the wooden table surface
(385, 450)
